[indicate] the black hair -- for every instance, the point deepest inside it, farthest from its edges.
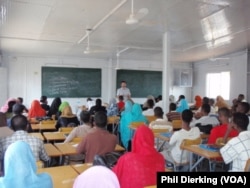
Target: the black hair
(18, 108)
(43, 99)
(98, 102)
(172, 106)
(187, 115)
(241, 120)
(158, 112)
(120, 97)
(20, 99)
(100, 119)
(10, 106)
(150, 103)
(19, 122)
(206, 108)
(205, 100)
(85, 116)
(245, 106)
(224, 111)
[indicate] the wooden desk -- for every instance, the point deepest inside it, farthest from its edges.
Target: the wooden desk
(41, 127)
(51, 150)
(81, 167)
(202, 153)
(54, 136)
(37, 135)
(62, 176)
(119, 148)
(114, 121)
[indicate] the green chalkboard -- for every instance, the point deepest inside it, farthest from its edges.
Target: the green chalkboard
(71, 82)
(141, 83)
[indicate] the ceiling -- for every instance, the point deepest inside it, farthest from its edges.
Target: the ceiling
(197, 29)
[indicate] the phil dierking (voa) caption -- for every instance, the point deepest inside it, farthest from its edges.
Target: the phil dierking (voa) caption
(210, 179)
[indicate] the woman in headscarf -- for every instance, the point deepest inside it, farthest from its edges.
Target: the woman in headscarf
(138, 168)
(67, 118)
(126, 119)
(54, 108)
(6, 106)
(20, 168)
(62, 105)
(197, 104)
(95, 177)
(182, 104)
(220, 102)
(112, 109)
(36, 110)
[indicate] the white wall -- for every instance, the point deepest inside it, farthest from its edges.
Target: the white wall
(24, 76)
(236, 64)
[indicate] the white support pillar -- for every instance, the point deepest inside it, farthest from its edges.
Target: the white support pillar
(166, 72)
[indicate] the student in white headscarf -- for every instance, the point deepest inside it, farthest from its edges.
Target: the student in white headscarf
(95, 177)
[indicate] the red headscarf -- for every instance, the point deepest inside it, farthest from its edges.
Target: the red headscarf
(36, 110)
(198, 101)
(139, 167)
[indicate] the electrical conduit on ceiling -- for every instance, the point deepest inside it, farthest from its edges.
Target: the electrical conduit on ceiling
(103, 19)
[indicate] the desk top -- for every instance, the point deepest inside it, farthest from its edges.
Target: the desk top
(202, 152)
(37, 127)
(62, 176)
(54, 136)
(51, 150)
(81, 167)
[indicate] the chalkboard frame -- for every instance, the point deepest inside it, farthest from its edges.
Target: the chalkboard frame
(71, 82)
(140, 82)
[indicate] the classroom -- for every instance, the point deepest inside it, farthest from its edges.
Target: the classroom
(168, 48)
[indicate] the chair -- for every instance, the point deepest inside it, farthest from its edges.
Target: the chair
(247, 167)
(114, 121)
(177, 124)
(186, 142)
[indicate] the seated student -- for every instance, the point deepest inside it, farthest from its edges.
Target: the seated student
(237, 149)
(138, 168)
(205, 119)
(44, 103)
(197, 115)
(182, 104)
(244, 107)
(20, 169)
(83, 129)
(220, 131)
(5, 107)
(172, 151)
(100, 141)
(88, 178)
(150, 108)
(172, 114)
(120, 103)
(19, 124)
(67, 119)
(159, 122)
(54, 108)
(20, 101)
(112, 108)
(97, 107)
(145, 104)
(197, 104)
(36, 110)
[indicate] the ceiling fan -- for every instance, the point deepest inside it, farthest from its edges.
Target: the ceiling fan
(134, 18)
(88, 49)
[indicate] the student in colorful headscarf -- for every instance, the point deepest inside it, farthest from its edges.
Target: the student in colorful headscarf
(139, 167)
(36, 110)
(20, 168)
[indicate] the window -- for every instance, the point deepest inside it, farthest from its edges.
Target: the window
(218, 84)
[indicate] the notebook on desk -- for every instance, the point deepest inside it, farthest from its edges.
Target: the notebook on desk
(212, 147)
(168, 134)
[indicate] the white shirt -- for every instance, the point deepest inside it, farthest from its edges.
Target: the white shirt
(176, 140)
(125, 92)
(237, 150)
(205, 120)
(148, 112)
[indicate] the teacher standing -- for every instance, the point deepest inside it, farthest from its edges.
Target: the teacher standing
(124, 91)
